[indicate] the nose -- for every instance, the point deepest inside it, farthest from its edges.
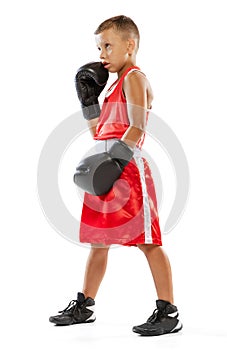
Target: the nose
(102, 55)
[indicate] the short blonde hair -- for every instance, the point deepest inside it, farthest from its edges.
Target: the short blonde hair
(122, 24)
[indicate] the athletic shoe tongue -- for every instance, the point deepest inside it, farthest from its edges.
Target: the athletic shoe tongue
(80, 297)
(161, 304)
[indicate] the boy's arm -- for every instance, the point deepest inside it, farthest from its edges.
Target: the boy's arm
(92, 124)
(135, 90)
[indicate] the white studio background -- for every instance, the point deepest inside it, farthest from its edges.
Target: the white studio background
(183, 53)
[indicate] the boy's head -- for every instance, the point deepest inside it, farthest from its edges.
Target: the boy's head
(122, 25)
(117, 39)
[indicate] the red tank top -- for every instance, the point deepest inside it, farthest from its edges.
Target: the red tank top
(113, 120)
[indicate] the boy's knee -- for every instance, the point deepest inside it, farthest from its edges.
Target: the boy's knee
(147, 248)
(99, 248)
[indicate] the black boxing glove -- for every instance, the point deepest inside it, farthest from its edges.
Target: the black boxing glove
(96, 174)
(90, 80)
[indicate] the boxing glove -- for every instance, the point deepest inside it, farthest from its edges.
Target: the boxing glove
(90, 80)
(96, 174)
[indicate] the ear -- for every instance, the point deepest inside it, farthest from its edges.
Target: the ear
(131, 46)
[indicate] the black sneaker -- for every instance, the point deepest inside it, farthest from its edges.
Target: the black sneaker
(163, 320)
(78, 311)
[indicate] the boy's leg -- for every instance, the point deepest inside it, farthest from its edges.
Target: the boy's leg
(161, 270)
(82, 309)
(95, 270)
(165, 318)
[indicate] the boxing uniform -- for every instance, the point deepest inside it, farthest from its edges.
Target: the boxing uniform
(119, 203)
(127, 214)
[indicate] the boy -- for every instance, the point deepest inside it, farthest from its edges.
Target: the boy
(127, 214)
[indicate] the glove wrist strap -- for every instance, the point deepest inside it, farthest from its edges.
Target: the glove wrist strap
(91, 112)
(121, 151)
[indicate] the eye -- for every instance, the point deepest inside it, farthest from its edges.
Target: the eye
(107, 45)
(99, 48)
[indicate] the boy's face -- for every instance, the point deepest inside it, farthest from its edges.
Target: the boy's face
(115, 51)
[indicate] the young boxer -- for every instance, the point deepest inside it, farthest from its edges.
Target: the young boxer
(124, 211)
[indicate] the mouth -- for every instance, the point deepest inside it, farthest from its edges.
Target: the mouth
(106, 65)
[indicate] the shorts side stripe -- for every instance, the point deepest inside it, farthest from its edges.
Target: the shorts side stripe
(146, 206)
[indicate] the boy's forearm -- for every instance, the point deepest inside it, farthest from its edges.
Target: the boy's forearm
(132, 136)
(92, 124)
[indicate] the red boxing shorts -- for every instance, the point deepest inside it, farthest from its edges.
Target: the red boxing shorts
(127, 214)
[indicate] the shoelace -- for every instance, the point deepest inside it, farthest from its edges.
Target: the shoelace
(71, 306)
(156, 314)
